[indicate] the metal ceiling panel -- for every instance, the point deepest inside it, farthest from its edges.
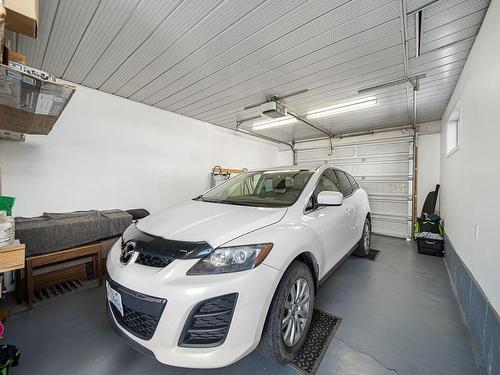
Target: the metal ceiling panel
(278, 36)
(338, 90)
(220, 19)
(145, 20)
(35, 48)
(436, 18)
(209, 59)
(413, 5)
(258, 20)
(316, 77)
(322, 32)
(286, 79)
(186, 16)
(108, 20)
(70, 24)
(341, 76)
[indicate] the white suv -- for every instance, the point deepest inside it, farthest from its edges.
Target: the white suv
(203, 283)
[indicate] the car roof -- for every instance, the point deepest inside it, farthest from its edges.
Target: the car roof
(299, 167)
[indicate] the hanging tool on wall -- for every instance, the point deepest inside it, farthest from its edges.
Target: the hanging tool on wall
(220, 174)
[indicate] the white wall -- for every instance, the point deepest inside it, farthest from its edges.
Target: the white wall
(429, 146)
(470, 179)
(109, 152)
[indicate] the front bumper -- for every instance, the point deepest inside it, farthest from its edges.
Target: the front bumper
(255, 289)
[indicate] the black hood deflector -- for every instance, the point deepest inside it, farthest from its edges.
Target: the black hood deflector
(159, 246)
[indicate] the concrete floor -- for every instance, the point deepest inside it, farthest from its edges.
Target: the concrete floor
(399, 317)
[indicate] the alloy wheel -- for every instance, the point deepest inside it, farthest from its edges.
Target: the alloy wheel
(296, 312)
(366, 236)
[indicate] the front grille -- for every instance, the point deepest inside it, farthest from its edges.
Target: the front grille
(140, 324)
(153, 260)
(209, 322)
(141, 313)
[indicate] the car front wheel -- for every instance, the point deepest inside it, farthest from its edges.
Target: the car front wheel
(290, 314)
(363, 248)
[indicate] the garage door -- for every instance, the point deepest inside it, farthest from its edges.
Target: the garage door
(383, 165)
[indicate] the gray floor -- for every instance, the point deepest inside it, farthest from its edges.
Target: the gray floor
(399, 317)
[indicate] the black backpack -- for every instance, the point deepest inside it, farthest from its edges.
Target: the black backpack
(9, 356)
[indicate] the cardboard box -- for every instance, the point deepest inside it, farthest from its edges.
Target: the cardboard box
(44, 76)
(22, 16)
(29, 104)
(17, 57)
(2, 32)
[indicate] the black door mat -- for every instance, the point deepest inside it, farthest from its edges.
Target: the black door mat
(372, 255)
(323, 328)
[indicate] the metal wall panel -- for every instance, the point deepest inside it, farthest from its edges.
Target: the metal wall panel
(382, 166)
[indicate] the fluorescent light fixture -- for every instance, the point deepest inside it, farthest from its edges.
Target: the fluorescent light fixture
(348, 106)
(273, 123)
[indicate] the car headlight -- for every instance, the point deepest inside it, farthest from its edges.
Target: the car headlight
(231, 259)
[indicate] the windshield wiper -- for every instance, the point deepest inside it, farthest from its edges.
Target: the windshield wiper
(243, 203)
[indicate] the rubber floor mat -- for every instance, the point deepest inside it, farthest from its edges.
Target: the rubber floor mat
(323, 328)
(372, 255)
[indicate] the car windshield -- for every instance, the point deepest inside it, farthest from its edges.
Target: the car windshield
(260, 189)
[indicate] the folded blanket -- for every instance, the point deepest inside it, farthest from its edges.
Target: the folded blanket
(58, 231)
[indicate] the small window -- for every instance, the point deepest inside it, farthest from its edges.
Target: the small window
(453, 132)
(345, 185)
(352, 181)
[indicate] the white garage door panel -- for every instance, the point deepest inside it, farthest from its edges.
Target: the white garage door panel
(388, 226)
(382, 166)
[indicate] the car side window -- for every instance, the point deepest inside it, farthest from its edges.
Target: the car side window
(328, 182)
(345, 185)
(352, 181)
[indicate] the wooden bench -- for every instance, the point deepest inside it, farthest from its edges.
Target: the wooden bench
(91, 250)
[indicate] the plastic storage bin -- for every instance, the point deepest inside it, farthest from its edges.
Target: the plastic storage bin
(430, 244)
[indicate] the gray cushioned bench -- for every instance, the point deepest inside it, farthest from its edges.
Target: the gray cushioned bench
(55, 238)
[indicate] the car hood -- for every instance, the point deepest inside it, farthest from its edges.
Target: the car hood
(214, 223)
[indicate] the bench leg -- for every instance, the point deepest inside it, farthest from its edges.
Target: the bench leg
(29, 283)
(19, 286)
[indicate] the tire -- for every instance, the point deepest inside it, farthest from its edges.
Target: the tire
(273, 344)
(363, 247)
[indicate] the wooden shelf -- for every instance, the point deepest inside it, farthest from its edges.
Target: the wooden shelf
(12, 257)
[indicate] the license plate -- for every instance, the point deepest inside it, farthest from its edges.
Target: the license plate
(114, 297)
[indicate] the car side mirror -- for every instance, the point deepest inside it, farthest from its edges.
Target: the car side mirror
(330, 198)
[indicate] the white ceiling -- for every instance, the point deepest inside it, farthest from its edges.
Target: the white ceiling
(208, 59)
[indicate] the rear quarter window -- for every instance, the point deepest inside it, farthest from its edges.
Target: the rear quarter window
(352, 181)
(345, 185)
